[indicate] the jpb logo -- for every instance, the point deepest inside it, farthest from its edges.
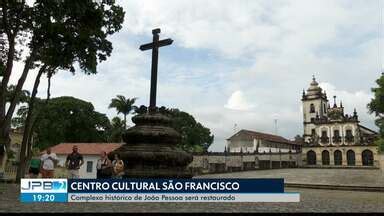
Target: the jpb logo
(44, 185)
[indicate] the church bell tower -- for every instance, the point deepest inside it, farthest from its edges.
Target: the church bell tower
(315, 104)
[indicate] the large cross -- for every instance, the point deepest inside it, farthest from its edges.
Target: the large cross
(155, 55)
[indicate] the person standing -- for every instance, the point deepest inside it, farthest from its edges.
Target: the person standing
(118, 167)
(73, 163)
(47, 166)
(104, 167)
(34, 167)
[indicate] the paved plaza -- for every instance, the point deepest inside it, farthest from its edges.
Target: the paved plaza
(343, 177)
(312, 200)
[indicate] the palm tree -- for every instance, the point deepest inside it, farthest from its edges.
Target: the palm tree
(123, 105)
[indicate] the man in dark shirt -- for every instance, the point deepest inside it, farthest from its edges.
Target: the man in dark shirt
(73, 163)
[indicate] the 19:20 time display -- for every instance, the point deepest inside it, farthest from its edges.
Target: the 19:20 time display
(43, 197)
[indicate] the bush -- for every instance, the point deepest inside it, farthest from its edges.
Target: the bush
(380, 143)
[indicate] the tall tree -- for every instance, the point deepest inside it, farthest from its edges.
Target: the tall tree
(376, 106)
(68, 119)
(57, 34)
(195, 137)
(123, 105)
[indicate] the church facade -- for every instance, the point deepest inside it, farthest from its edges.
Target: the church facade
(333, 138)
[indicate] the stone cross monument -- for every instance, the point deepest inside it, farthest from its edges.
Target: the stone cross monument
(155, 45)
(150, 149)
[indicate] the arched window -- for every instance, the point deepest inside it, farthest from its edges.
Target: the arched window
(324, 139)
(312, 108)
(325, 108)
(349, 136)
(367, 157)
(325, 157)
(338, 157)
(311, 158)
(351, 158)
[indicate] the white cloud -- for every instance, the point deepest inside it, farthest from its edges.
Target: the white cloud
(350, 100)
(237, 101)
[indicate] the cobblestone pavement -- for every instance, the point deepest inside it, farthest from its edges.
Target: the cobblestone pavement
(312, 200)
(349, 177)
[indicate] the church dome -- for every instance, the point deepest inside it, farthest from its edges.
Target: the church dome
(314, 88)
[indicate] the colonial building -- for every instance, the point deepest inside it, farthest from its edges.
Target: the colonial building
(252, 141)
(333, 138)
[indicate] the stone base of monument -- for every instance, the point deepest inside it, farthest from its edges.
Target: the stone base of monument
(150, 149)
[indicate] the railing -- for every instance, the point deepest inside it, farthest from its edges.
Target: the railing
(324, 139)
(10, 171)
(336, 139)
(349, 138)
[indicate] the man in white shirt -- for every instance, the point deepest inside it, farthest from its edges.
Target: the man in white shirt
(48, 161)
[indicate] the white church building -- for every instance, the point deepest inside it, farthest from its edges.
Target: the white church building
(332, 137)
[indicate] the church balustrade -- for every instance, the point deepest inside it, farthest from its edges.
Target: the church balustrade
(324, 139)
(336, 139)
(349, 139)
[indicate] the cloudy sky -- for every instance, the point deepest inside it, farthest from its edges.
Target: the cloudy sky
(239, 62)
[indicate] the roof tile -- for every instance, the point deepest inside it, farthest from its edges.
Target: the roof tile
(85, 148)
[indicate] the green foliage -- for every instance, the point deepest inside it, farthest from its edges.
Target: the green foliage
(380, 143)
(10, 155)
(23, 97)
(21, 115)
(116, 131)
(58, 34)
(377, 103)
(123, 105)
(72, 30)
(68, 119)
(376, 106)
(194, 136)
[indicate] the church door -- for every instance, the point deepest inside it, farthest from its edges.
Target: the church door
(351, 158)
(367, 157)
(311, 158)
(325, 157)
(338, 157)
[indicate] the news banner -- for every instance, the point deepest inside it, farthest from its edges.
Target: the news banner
(155, 190)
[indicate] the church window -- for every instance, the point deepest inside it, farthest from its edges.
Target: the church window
(313, 132)
(348, 136)
(336, 136)
(338, 158)
(325, 109)
(312, 108)
(323, 133)
(324, 137)
(351, 158)
(311, 158)
(325, 157)
(367, 158)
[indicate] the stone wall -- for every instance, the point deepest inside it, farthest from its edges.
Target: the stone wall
(218, 162)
